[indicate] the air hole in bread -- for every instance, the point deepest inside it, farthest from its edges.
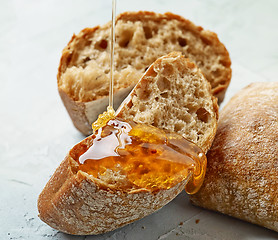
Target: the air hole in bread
(168, 70)
(101, 45)
(182, 42)
(155, 121)
(85, 60)
(222, 83)
(144, 94)
(201, 94)
(163, 84)
(132, 113)
(198, 93)
(88, 43)
(164, 95)
(200, 64)
(205, 40)
(68, 59)
(216, 73)
(148, 32)
(125, 37)
(191, 108)
(173, 40)
(142, 107)
(130, 104)
(184, 117)
(203, 115)
(178, 127)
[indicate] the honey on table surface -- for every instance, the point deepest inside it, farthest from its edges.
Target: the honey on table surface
(146, 155)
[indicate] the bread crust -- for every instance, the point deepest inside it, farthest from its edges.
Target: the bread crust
(242, 170)
(71, 51)
(79, 204)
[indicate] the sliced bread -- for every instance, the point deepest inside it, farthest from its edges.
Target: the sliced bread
(174, 96)
(174, 90)
(141, 37)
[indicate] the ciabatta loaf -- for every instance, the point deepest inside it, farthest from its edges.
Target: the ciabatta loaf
(78, 203)
(141, 37)
(242, 170)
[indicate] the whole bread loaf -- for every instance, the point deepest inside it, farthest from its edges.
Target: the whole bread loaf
(78, 203)
(242, 170)
(141, 37)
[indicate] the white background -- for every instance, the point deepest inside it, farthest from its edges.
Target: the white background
(36, 132)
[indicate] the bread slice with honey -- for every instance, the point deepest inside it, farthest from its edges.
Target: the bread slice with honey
(172, 89)
(242, 170)
(141, 38)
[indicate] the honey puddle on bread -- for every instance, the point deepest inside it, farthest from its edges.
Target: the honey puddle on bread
(148, 157)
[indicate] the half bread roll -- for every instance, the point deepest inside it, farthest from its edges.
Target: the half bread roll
(76, 202)
(141, 38)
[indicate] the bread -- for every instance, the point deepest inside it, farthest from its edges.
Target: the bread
(174, 96)
(78, 203)
(242, 170)
(141, 37)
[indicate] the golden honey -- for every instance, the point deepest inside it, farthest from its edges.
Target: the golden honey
(146, 155)
(103, 118)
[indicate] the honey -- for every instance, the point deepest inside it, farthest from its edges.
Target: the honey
(148, 157)
(104, 118)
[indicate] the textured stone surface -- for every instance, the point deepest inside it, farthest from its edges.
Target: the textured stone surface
(36, 132)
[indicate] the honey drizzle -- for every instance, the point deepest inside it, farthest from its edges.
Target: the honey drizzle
(147, 157)
(112, 46)
(110, 112)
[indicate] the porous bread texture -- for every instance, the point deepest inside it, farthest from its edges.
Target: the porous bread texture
(173, 95)
(242, 171)
(141, 37)
(75, 202)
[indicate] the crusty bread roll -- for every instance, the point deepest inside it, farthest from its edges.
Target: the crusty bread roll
(141, 37)
(78, 203)
(242, 170)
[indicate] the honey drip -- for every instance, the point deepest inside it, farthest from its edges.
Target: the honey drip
(112, 44)
(103, 118)
(110, 112)
(147, 156)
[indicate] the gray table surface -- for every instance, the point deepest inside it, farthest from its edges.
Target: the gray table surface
(36, 132)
